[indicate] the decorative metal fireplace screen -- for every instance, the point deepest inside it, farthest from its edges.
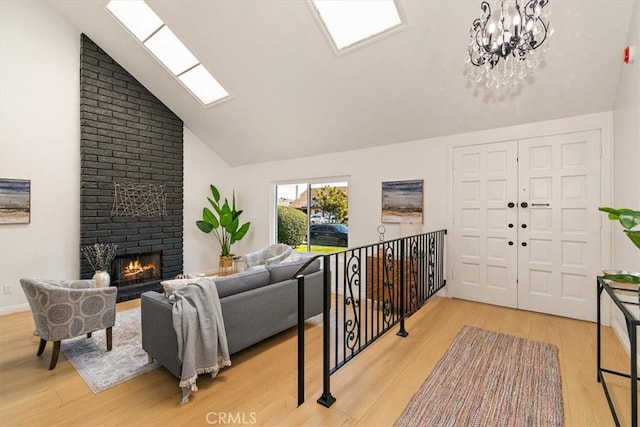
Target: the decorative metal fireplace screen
(138, 268)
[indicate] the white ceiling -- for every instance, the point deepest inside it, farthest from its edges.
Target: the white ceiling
(293, 97)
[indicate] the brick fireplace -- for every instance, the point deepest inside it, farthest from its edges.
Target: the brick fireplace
(128, 138)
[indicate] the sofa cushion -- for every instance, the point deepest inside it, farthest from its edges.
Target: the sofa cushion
(286, 270)
(272, 254)
(241, 282)
(227, 285)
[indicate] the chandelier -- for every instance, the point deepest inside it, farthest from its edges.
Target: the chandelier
(503, 47)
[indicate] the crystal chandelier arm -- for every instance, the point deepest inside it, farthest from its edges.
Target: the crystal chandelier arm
(486, 11)
(480, 39)
(533, 14)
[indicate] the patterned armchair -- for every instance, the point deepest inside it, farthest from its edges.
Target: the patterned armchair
(67, 309)
(272, 254)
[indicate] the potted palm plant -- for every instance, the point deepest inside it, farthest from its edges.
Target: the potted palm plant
(224, 222)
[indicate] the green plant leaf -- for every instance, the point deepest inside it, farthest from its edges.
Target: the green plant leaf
(214, 205)
(204, 226)
(629, 218)
(236, 214)
(225, 220)
(232, 229)
(634, 236)
(609, 210)
(209, 217)
(215, 192)
(242, 231)
(233, 198)
(225, 209)
(628, 278)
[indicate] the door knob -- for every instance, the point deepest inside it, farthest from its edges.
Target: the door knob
(524, 204)
(510, 225)
(524, 225)
(511, 204)
(510, 243)
(524, 243)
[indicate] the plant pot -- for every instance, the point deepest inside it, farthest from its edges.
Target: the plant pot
(226, 261)
(225, 266)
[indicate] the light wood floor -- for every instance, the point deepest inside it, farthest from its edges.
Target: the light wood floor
(260, 387)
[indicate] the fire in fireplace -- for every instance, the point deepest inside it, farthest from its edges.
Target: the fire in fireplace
(138, 268)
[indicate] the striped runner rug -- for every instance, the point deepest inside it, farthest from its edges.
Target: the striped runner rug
(490, 379)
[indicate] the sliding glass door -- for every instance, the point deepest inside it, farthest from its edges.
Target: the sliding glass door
(313, 217)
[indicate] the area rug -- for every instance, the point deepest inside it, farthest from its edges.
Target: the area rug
(102, 369)
(490, 379)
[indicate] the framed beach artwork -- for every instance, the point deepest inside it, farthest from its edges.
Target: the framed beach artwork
(15, 201)
(402, 202)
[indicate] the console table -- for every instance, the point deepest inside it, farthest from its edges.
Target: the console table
(625, 297)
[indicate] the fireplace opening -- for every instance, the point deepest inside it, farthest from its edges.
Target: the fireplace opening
(139, 268)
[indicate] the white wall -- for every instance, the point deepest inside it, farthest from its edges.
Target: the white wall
(40, 141)
(202, 167)
(626, 153)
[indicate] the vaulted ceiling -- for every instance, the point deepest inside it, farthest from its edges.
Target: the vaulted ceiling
(292, 96)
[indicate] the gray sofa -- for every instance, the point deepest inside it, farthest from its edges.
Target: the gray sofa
(256, 304)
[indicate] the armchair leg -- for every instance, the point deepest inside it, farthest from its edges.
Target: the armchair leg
(109, 339)
(43, 343)
(54, 355)
(89, 335)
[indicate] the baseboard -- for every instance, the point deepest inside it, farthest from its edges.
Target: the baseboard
(14, 309)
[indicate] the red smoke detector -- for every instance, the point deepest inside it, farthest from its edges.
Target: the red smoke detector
(629, 54)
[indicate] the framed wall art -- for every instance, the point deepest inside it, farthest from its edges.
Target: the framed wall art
(15, 201)
(402, 202)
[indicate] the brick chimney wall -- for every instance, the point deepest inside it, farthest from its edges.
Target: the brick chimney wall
(127, 136)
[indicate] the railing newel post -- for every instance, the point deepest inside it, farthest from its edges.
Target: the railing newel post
(300, 339)
(402, 332)
(326, 399)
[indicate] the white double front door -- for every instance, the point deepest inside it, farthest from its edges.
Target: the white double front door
(526, 226)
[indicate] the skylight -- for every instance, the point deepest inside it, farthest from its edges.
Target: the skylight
(136, 16)
(167, 48)
(170, 51)
(203, 85)
(350, 22)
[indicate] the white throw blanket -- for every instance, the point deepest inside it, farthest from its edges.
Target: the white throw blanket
(199, 326)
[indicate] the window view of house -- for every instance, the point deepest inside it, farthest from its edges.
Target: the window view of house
(313, 217)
